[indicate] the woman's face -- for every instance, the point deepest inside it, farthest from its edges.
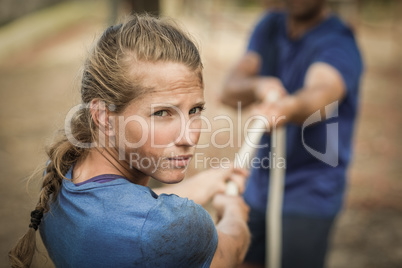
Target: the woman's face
(158, 132)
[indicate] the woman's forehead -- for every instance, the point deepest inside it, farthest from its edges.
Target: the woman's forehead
(175, 95)
(161, 76)
(168, 82)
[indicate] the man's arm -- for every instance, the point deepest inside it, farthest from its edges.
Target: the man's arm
(323, 85)
(233, 233)
(242, 82)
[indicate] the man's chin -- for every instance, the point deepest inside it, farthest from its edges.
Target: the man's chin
(302, 13)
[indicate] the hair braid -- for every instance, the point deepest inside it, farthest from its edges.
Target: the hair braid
(61, 155)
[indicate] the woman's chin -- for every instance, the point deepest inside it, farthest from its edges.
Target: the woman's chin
(170, 177)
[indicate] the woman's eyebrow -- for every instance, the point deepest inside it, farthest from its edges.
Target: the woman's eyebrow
(200, 103)
(170, 105)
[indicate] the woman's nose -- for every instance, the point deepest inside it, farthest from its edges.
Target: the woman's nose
(189, 134)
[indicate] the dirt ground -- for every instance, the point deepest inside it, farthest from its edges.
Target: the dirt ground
(38, 86)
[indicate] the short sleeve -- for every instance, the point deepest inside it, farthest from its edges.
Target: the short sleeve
(260, 36)
(178, 233)
(344, 56)
(263, 41)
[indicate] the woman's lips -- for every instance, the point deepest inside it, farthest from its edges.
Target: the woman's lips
(180, 161)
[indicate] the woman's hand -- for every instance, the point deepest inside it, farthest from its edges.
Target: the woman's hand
(202, 187)
(214, 180)
(224, 204)
(206, 184)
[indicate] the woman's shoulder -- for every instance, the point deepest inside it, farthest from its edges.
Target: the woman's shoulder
(118, 197)
(106, 183)
(180, 230)
(167, 205)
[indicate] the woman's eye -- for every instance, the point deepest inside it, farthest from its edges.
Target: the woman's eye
(196, 110)
(161, 113)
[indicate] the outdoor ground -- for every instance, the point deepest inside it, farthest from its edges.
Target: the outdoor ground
(38, 85)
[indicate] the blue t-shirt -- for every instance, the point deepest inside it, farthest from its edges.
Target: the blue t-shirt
(115, 223)
(314, 183)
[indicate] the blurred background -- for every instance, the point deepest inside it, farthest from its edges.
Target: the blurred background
(43, 44)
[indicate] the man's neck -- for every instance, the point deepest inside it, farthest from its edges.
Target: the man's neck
(297, 28)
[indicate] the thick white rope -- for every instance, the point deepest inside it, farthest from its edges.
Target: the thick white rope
(277, 177)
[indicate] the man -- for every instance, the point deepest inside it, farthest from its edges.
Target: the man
(311, 59)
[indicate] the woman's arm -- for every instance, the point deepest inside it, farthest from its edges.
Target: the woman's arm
(205, 185)
(233, 233)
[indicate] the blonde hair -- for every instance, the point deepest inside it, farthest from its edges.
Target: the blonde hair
(106, 76)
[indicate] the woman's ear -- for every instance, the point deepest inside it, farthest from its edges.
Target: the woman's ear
(101, 117)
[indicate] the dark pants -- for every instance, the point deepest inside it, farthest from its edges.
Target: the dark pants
(304, 240)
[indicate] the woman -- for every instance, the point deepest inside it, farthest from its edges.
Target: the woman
(142, 95)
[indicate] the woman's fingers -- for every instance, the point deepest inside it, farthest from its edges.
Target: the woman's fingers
(239, 180)
(215, 179)
(241, 171)
(236, 203)
(238, 176)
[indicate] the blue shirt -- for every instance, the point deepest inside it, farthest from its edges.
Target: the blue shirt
(315, 168)
(120, 224)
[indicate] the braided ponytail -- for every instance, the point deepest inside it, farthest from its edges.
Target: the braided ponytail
(61, 155)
